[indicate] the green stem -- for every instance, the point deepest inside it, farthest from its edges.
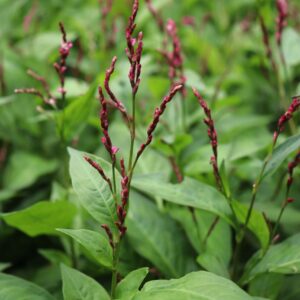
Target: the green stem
(114, 178)
(277, 222)
(116, 250)
(116, 255)
(283, 206)
(210, 230)
(132, 134)
(242, 231)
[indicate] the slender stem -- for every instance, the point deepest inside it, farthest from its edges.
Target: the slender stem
(116, 256)
(283, 206)
(132, 133)
(256, 186)
(192, 211)
(242, 230)
(211, 229)
(116, 250)
(278, 187)
(277, 222)
(114, 178)
(62, 123)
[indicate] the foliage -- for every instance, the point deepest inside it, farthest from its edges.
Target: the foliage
(140, 199)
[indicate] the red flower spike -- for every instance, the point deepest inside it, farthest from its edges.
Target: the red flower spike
(99, 170)
(44, 83)
(130, 28)
(157, 114)
(116, 103)
(175, 58)
(61, 67)
(119, 105)
(286, 117)
(31, 91)
(106, 141)
(123, 170)
(134, 50)
(109, 234)
(291, 166)
(49, 99)
(212, 134)
(211, 131)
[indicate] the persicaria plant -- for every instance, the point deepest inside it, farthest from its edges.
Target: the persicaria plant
(204, 210)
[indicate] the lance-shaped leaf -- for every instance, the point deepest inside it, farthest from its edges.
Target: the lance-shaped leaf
(130, 285)
(194, 286)
(190, 192)
(93, 191)
(42, 218)
(281, 153)
(13, 288)
(193, 193)
(158, 238)
(79, 286)
(257, 223)
(94, 242)
(283, 258)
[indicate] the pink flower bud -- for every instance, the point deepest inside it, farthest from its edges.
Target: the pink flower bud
(114, 149)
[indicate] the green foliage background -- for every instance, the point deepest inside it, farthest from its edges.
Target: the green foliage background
(224, 57)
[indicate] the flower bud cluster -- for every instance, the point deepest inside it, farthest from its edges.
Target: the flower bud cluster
(61, 66)
(286, 117)
(134, 50)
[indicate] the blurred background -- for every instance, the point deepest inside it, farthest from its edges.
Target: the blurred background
(225, 56)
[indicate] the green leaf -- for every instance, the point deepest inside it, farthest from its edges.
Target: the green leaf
(267, 285)
(283, 258)
(212, 263)
(242, 146)
(189, 193)
(93, 192)
(257, 223)
(290, 288)
(130, 285)
(194, 286)
(14, 288)
(25, 168)
(42, 218)
(152, 234)
(94, 242)
(281, 153)
(78, 286)
(196, 225)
